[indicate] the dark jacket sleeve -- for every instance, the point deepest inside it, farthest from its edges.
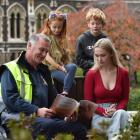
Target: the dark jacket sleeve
(52, 95)
(51, 88)
(81, 61)
(11, 97)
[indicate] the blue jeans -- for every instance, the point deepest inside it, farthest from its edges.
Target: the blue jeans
(118, 121)
(67, 79)
(52, 126)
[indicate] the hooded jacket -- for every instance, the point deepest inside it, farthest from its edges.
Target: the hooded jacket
(84, 49)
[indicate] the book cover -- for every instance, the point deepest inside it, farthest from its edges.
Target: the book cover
(64, 106)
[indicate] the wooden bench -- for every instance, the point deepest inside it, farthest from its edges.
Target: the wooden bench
(77, 91)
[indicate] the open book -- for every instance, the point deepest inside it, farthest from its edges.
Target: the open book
(64, 106)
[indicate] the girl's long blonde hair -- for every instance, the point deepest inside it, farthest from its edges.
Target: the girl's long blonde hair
(106, 44)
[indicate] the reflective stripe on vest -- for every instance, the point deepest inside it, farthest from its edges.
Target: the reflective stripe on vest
(21, 77)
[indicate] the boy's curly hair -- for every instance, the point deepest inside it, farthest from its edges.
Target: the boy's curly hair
(96, 14)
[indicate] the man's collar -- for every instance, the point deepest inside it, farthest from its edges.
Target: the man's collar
(21, 61)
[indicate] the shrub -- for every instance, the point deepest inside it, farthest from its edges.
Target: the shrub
(134, 99)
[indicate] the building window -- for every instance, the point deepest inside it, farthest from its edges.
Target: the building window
(1, 16)
(15, 25)
(18, 25)
(41, 13)
(0, 27)
(44, 17)
(16, 22)
(12, 22)
(66, 8)
(40, 20)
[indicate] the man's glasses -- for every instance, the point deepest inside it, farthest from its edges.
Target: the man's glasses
(57, 15)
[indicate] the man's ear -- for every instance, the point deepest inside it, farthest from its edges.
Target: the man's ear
(29, 46)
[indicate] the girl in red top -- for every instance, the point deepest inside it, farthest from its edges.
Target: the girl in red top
(107, 84)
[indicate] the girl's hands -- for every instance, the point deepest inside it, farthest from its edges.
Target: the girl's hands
(62, 68)
(110, 110)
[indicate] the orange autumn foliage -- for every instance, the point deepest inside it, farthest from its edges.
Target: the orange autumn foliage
(121, 27)
(124, 30)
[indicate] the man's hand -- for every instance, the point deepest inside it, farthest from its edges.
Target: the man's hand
(45, 112)
(72, 118)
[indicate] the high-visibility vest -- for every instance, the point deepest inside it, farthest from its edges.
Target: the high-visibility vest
(22, 80)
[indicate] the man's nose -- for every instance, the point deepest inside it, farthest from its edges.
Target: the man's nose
(44, 53)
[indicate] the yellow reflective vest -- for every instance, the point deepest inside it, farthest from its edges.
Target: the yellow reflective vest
(22, 80)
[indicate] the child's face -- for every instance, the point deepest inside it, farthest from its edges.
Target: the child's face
(56, 27)
(95, 26)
